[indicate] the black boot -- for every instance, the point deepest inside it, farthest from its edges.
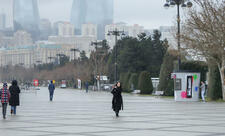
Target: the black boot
(117, 114)
(11, 112)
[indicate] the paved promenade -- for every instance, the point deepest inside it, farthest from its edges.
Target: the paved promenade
(76, 113)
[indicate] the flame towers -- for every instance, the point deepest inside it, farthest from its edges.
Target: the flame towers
(99, 12)
(26, 16)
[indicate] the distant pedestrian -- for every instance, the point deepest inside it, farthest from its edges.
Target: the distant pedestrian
(51, 88)
(203, 91)
(5, 95)
(117, 101)
(86, 86)
(15, 98)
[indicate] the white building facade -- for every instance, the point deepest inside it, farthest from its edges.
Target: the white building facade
(66, 29)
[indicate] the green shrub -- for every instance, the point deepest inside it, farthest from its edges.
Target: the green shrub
(145, 83)
(214, 86)
(122, 77)
(126, 82)
(133, 81)
(165, 81)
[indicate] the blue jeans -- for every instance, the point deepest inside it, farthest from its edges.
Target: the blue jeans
(203, 95)
(13, 108)
(51, 93)
(4, 109)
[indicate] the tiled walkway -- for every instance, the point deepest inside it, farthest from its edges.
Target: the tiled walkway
(76, 113)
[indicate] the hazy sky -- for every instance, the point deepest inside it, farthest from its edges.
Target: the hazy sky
(149, 13)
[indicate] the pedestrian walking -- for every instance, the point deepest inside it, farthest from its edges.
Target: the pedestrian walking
(86, 86)
(5, 95)
(203, 91)
(14, 100)
(51, 88)
(117, 101)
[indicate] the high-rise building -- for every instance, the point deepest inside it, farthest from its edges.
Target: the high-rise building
(65, 29)
(26, 17)
(99, 12)
(2, 21)
(22, 38)
(167, 33)
(45, 29)
(131, 31)
(89, 30)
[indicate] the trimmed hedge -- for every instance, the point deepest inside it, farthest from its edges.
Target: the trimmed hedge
(126, 87)
(145, 83)
(214, 86)
(124, 79)
(133, 82)
(165, 82)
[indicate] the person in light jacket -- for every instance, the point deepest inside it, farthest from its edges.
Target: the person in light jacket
(202, 91)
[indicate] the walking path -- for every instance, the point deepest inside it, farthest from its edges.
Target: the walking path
(76, 113)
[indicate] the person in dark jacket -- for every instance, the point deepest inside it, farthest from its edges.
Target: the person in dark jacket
(117, 101)
(86, 86)
(15, 98)
(51, 88)
(5, 95)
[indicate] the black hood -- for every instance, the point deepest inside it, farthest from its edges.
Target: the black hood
(14, 83)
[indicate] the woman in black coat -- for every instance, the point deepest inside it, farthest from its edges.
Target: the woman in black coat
(117, 101)
(14, 98)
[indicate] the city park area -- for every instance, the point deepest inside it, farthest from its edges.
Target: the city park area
(77, 113)
(134, 62)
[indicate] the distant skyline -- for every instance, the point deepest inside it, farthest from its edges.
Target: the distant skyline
(148, 13)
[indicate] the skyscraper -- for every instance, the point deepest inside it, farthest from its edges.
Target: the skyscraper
(26, 17)
(2, 21)
(99, 12)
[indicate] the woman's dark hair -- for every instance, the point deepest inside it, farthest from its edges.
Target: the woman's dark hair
(120, 84)
(14, 83)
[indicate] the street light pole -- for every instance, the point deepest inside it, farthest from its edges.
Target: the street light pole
(183, 4)
(178, 35)
(59, 56)
(74, 50)
(50, 58)
(116, 33)
(96, 44)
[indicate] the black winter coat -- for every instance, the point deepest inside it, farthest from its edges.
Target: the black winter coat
(117, 101)
(14, 98)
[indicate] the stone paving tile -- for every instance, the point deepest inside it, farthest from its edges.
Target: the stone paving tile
(76, 113)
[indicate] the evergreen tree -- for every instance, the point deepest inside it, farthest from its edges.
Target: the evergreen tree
(165, 81)
(133, 81)
(145, 83)
(214, 86)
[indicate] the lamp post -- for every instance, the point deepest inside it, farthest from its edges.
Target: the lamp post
(96, 44)
(116, 33)
(74, 50)
(50, 58)
(183, 4)
(38, 62)
(59, 55)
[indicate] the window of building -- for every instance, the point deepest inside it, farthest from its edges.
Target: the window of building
(177, 84)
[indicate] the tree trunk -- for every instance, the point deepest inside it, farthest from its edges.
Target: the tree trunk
(222, 68)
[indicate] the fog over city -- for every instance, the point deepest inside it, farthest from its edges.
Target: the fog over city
(148, 13)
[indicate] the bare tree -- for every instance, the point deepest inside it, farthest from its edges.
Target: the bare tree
(204, 33)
